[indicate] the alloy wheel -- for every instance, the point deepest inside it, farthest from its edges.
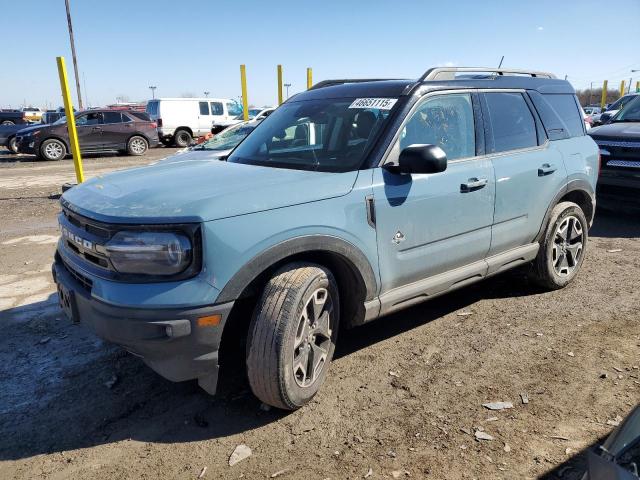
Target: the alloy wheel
(313, 338)
(53, 150)
(567, 246)
(138, 145)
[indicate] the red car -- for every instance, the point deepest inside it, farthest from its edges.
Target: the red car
(98, 131)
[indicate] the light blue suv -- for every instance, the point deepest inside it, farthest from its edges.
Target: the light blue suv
(352, 200)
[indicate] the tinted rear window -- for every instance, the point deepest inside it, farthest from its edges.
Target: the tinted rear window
(566, 108)
(112, 117)
(512, 123)
(141, 116)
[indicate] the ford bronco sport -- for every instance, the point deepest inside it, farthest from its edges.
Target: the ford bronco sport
(352, 200)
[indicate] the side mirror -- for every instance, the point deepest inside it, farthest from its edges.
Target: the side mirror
(422, 159)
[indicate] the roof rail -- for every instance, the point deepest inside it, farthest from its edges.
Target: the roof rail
(329, 83)
(449, 73)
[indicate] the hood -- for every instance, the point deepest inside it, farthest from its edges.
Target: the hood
(626, 131)
(199, 190)
(191, 154)
(24, 131)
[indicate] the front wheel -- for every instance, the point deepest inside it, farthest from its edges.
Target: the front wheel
(53, 149)
(292, 335)
(13, 145)
(137, 145)
(563, 248)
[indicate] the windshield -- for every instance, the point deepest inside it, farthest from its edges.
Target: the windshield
(630, 112)
(227, 139)
(329, 135)
(621, 102)
(252, 114)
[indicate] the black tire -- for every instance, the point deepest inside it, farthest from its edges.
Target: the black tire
(7, 122)
(279, 332)
(166, 141)
(137, 145)
(556, 250)
(12, 145)
(182, 138)
(49, 146)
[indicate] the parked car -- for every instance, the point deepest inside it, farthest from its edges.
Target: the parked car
(12, 117)
(619, 143)
(217, 147)
(352, 200)
(253, 114)
(98, 131)
(591, 110)
(8, 136)
(612, 109)
(32, 114)
(180, 120)
(618, 458)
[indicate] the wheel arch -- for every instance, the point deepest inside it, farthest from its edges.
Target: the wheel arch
(184, 127)
(56, 137)
(578, 191)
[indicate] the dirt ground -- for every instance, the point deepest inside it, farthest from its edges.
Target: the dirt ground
(404, 395)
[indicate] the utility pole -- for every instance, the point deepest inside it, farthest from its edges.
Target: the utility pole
(73, 55)
(153, 91)
(590, 91)
(206, 94)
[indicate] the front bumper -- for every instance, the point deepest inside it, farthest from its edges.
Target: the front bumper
(184, 351)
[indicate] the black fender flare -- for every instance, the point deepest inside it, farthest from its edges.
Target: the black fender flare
(294, 246)
(573, 186)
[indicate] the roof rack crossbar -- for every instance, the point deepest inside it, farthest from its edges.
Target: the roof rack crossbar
(340, 81)
(448, 73)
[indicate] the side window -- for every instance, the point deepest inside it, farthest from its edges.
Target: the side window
(112, 117)
(204, 108)
(234, 109)
(512, 122)
(216, 108)
(446, 121)
(566, 108)
(89, 119)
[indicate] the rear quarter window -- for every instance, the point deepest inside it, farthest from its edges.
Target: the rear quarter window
(566, 108)
(512, 124)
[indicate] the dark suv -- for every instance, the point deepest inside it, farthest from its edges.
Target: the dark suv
(98, 131)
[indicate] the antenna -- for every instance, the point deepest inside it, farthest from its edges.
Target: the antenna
(501, 60)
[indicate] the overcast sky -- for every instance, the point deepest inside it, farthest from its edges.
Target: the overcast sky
(188, 47)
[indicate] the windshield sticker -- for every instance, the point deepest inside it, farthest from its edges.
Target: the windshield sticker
(379, 103)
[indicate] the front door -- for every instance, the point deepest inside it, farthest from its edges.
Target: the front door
(428, 224)
(89, 128)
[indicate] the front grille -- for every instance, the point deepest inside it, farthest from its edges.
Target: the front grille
(623, 163)
(86, 282)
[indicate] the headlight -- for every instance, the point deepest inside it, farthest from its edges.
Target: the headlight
(149, 253)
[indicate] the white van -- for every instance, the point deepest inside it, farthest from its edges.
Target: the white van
(181, 119)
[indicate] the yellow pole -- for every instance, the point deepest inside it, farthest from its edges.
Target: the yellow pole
(309, 78)
(245, 102)
(279, 84)
(622, 88)
(71, 119)
(638, 86)
(603, 100)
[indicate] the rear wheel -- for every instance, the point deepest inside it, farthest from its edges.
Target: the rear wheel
(292, 335)
(182, 138)
(13, 145)
(137, 145)
(7, 122)
(564, 246)
(53, 149)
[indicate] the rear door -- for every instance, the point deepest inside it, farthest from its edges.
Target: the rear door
(89, 128)
(116, 130)
(529, 170)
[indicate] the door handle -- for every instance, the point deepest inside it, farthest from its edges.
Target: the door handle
(473, 184)
(546, 169)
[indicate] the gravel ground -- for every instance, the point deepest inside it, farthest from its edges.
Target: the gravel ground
(403, 399)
